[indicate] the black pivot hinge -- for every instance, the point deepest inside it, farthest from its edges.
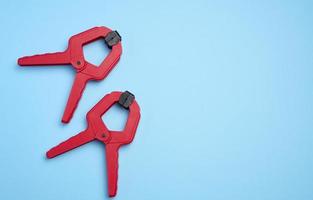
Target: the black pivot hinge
(126, 99)
(112, 39)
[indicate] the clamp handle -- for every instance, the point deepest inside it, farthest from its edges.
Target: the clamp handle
(71, 143)
(111, 154)
(75, 95)
(58, 58)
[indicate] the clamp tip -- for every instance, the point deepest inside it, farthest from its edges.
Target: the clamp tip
(126, 99)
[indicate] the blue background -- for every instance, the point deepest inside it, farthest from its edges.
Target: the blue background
(225, 89)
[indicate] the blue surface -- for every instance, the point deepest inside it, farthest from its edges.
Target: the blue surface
(225, 90)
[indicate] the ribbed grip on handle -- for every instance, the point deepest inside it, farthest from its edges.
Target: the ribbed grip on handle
(112, 167)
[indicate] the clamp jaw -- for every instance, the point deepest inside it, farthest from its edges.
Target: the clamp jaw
(97, 130)
(74, 56)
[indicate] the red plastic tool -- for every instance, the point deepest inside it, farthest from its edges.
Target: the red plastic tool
(85, 71)
(97, 130)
